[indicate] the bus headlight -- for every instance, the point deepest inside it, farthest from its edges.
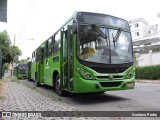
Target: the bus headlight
(88, 76)
(84, 74)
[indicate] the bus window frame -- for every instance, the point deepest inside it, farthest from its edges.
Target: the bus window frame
(50, 44)
(56, 49)
(46, 49)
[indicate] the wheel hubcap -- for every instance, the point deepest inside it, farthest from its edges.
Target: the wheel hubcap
(58, 84)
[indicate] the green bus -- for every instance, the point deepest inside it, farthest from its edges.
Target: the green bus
(20, 71)
(91, 52)
(29, 69)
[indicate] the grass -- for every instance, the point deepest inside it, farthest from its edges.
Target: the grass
(1, 84)
(1, 88)
(50, 95)
(14, 79)
(2, 97)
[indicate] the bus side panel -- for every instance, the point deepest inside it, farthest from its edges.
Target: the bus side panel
(29, 70)
(33, 70)
(52, 65)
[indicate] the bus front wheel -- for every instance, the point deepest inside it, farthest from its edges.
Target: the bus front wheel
(37, 84)
(58, 88)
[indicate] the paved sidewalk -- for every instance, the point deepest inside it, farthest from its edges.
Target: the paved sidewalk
(18, 97)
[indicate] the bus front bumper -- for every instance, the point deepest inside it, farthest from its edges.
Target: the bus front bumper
(86, 86)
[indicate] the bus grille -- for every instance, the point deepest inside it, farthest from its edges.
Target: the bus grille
(110, 84)
(109, 70)
(103, 77)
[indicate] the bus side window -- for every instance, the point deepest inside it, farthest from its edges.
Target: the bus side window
(50, 47)
(56, 46)
(53, 49)
(32, 58)
(46, 49)
(42, 55)
(53, 41)
(65, 44)
(37, 55)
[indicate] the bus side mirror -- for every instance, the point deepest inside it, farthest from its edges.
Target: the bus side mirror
(74, 28)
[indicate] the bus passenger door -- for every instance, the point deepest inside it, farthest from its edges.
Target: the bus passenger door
(41, 69)
(67, 58)
(40, 65)
(37, 75)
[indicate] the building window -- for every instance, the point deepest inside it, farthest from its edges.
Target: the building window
(149, 32)
(136, 25)
(137, 33)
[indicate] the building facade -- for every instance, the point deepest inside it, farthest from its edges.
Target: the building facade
(140, 29)
(146, 40)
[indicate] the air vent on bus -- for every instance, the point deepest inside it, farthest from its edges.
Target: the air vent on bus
(109, 70)
(103, 77)
(110, 84)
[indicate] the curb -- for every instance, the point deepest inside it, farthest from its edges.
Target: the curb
(148, 81)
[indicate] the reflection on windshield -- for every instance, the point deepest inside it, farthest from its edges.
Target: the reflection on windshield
(94, 48)
(22, 66)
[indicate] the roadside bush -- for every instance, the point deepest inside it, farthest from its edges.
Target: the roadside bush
(6, 66)
(14, 79)
(1, 85)
(148, 72)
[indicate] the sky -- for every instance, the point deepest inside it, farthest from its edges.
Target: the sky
(33, 21)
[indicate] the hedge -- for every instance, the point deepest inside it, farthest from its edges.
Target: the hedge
(148, 72)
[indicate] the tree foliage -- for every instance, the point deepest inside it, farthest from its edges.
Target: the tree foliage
(9, 52)
(6, 66)
(5, 45)
(14, 53)
(24, 60)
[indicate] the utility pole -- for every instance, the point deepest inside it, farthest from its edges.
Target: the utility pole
(14, 39)
(13, 56)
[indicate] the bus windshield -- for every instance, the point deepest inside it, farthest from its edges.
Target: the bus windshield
(116, 48)
(94, 18)
(22, 66)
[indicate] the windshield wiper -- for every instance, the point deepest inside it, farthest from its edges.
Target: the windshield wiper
(117, 35)
(99, 31)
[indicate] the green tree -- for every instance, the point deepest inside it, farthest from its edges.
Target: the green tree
(9, 52)
(14, 53)
(6, 66)
(5, 46)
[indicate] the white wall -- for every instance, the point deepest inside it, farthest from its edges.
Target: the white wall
(144, 29)
(149, 59)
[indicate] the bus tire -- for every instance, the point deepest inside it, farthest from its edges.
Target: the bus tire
(37, 83)
(57, 86)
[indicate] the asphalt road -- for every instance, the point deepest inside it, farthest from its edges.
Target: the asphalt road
(145, 97)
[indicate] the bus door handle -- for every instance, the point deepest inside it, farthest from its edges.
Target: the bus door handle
(64, 63)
